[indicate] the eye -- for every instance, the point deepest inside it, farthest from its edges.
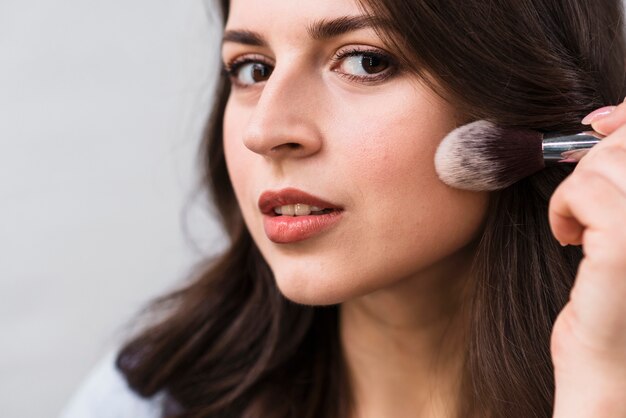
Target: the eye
(247, 71)
(364, 65)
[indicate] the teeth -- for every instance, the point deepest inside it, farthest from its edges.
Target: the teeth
(288, 210)
(302, 210)
(299, 209)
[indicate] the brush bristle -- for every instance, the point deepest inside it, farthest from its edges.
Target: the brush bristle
(482, 156)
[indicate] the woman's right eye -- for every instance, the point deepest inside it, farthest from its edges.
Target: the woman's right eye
(248, 72)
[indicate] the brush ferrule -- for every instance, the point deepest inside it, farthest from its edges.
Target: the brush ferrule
(568, 148)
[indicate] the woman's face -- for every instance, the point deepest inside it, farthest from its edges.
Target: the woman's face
(319, 104)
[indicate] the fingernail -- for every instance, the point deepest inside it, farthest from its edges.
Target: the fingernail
(597, 115)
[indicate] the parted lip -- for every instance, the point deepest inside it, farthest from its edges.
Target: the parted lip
(290, 196)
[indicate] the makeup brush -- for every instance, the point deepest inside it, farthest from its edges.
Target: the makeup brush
(482, 156)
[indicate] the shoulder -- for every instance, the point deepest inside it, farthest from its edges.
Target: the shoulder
(105, 394)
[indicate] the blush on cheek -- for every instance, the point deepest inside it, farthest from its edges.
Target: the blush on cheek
(394, 159)
(394, 140)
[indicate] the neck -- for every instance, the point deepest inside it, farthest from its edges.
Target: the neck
(404, 345)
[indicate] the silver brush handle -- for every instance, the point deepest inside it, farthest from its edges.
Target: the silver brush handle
(568, 148)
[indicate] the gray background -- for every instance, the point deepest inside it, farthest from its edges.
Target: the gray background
(101, 108)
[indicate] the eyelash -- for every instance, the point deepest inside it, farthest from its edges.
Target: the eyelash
(231, 68)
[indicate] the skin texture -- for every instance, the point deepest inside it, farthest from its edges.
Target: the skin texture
(398, 259)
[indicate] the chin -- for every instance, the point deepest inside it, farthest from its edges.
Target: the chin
(309, 290)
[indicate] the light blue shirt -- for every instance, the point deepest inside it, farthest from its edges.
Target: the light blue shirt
(105, 394)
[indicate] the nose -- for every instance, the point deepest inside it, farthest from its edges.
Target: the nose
(284, 123)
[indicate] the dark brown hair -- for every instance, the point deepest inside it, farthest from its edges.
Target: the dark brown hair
(229, 344)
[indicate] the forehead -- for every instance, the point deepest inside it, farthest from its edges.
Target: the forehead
(284, 14)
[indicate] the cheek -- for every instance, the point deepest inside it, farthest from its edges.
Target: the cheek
(393, 136)
(390, 152)
(236, 155)
(240, 162)
(412, 219)
(232, 131)
(401, 219)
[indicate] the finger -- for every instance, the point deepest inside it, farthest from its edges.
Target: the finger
(580, 203)
(566, 228)
(597, 114)
(607, 123)
(616, 139)
(599, 293)
(608, 161)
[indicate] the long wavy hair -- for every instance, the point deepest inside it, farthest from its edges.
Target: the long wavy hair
(228, 344)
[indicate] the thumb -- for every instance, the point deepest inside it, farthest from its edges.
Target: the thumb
(607, 119)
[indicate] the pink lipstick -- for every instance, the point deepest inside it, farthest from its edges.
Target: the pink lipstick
(291, 215)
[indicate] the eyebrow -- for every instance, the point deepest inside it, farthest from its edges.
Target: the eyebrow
(318, 30)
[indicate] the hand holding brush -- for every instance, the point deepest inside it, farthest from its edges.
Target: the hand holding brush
(589, 336)
(588, 342)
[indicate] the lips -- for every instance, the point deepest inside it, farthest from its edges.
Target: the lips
(291, 229)
(271, 199)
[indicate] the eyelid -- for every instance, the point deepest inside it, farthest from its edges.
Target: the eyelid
(359, 50)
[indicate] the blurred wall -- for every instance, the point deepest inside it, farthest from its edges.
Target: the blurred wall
(101, 108)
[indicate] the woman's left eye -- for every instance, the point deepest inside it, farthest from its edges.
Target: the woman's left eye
(364, 65)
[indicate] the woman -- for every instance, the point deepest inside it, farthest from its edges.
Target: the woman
(390, 294)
